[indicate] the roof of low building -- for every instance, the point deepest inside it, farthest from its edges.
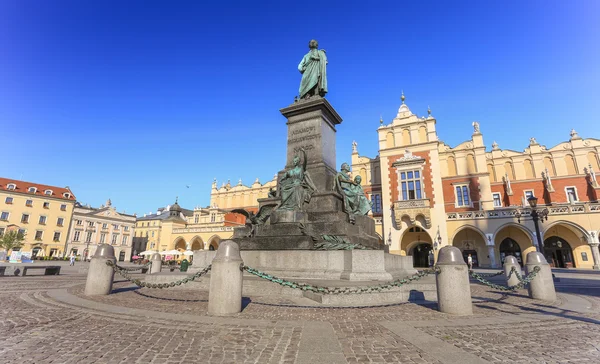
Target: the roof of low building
(63, 193)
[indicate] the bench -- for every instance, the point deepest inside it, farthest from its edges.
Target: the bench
(49, 270)
(2, 271)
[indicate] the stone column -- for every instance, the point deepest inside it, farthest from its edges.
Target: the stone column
(155, 264)
(226, 281)
(511, 262)
(100, 275)
(542, 286)
(595, 255)
(453, 288)
(492, 255)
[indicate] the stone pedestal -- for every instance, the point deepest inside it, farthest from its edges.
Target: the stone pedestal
(542, 286)
(226, 281)
(155, 264)
(100, 275)
(453, 287)
(511, 262)
(311, 126)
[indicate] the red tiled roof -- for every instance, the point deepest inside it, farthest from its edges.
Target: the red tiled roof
(23, 187)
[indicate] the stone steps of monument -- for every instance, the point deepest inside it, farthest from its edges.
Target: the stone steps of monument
(423, 291)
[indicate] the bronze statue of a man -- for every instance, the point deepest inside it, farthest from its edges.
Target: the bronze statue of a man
(314, 72)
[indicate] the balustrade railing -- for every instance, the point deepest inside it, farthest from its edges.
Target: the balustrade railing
(513, 212)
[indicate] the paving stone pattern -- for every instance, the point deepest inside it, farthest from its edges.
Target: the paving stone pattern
(511, 328)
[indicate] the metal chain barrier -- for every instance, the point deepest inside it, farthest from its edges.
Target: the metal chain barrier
(133, 269)
(491, 274)
(137, 282)
(523, 281)
(340, 290)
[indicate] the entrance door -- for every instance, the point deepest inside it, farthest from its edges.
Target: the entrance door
(420, 255)
(558, 252)
(510, 247)
(473, 256)
(121, 256)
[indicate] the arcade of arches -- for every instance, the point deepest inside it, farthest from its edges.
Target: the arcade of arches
(565, 245)
(196, 243)
(417, 243)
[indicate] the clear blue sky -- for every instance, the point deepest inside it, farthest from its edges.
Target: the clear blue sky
(134, 100)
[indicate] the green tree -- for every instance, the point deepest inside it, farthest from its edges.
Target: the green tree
(11, 240)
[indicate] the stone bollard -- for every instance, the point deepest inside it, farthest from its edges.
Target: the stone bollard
(509, 263)
(542, 286)
(226, 280)
(100, 276)
(155, 264)
(453, 287)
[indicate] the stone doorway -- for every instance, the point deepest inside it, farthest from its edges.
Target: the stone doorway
(510, 247)
(420, 255)
(558, 253)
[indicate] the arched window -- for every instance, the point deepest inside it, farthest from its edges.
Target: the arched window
(570, 164)
(528, 169)
(508, 168)
(471, 168)
(48, 192)
(389, 140)
(405, 137)
(492, 171)
(549, 165)
(422, 134)
(593, 161)
(11, 186)
(451, 166)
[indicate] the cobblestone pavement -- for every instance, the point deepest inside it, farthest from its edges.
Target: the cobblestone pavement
(47, 319)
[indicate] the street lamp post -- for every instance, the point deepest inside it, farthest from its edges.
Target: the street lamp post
(536, 216)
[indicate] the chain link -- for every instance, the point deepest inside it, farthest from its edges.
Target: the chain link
(123, 273)
(490, 274)
(340, 290)
(133, 268)
(523, 281)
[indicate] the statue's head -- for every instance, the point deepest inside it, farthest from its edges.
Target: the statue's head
(313, 44)
(357, 179)
(296, 160)
(345, 167)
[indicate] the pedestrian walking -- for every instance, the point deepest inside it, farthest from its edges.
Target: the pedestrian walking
(72, 260)
(470, 262)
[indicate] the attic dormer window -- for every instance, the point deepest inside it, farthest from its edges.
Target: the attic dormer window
(66, 195)
(48, 192)
(32, 190)
(11, 186)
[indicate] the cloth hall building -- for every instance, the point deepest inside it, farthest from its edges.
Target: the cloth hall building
(433, 195)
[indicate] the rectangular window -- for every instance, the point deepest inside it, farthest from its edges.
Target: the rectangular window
(528, 194)
(153, 234)
(22, 232)
(105, 226)
(411, 185)
(126, 228)
(90, 223)
(76, 237)
(4, 216)
(124, 240)
(115, 227)
(1, 231)
(63, 207)
(38, 235)
(213, 217)
(25, 219)
(571, 194)
(42, 220)
(8, 201)
(60, 221)
(56, 236)
(29, 203)
(376, 200)
(46, 205)
(114, 239)
(102, 238)
(196, 217)
(497, 200)
(462, 196)
(88, 237)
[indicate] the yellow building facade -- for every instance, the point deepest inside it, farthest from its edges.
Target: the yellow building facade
(41, 212)
(476, 198)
